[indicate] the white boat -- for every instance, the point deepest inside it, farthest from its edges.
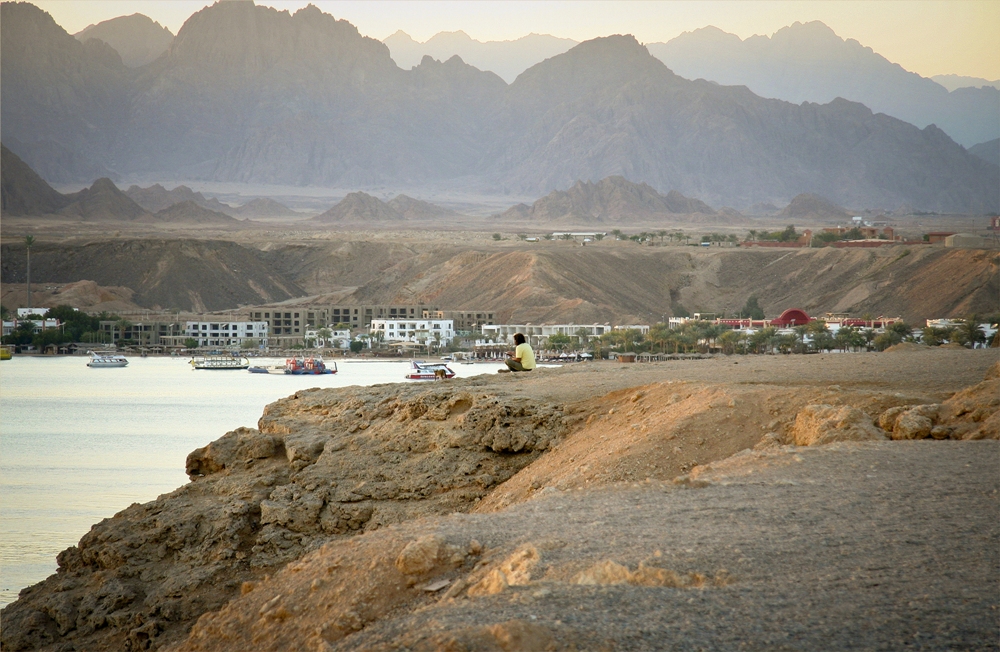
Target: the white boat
(221, 361)
(106, 360)
(420, 370)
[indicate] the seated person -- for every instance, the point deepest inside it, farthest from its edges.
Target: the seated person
(523, 358)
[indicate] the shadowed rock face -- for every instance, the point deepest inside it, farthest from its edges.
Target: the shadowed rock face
(251, 94)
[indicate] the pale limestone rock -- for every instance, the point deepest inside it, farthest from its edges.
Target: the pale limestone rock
(911, 425)
(887, 420)
(420, 555)
(824, 424)
(606, 572)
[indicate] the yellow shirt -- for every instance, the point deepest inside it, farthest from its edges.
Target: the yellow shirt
(527, 356)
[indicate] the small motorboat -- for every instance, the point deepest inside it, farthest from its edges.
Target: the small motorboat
(221, 361)
(420, 370)
(106, 360)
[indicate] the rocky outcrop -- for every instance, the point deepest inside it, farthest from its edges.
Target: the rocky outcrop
(137, 38)
(972, 413)
(323, 464)
(824, 424)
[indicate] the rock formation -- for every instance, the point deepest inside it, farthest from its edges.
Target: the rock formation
(517, 513)
(188, 212)
(362, 208)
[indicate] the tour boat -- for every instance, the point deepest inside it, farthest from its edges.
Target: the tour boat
(222, 361)
(106, 360)
(298, 367)
(420, 370)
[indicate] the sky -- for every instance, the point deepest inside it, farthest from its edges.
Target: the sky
(929, 37)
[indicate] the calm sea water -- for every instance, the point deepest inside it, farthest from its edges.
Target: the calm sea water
(78, 445)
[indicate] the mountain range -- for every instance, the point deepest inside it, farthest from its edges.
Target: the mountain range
(250, 94)
(808, 62)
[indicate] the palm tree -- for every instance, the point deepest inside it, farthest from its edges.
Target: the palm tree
(29, 241)
(324, 334)
(662, 234)
(123, 324)
(753, 235)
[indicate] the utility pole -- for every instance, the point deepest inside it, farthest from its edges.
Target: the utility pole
(29, 240)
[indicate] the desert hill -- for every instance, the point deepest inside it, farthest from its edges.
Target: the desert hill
(24, 192)
(508, 59)
(605, 107)
(612, 200)
(191, 275)
(809, 205)
(137, 38)
(954, 82)
(102, 201)
(808, 62)
(263, 207)
(553, 282)
(188, 212)
(589, 507)
(362, 208)
(156, 198)
(416, 209)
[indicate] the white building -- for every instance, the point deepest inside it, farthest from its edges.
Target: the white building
(642, 328)
(220, 333)
(535, 333)
(38, 324)
(338, 338)
(421, 331)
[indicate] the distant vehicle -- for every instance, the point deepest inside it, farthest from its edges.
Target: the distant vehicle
(106, 360)
(706, 244)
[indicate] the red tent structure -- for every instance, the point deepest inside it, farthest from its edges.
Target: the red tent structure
(791, 317)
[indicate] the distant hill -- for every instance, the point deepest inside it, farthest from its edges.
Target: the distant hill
(809, 205)
(22, 192)
(508, 59)
(264, 207)
(808, 62)
(415, 209)
(989, 152)
(954, 82)
(137, 38)
(613, 200)
(156, 198)
(102, 201)
(360, 207)
(188, 212)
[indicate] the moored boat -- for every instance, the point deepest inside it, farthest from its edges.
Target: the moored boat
(221, 361)
(106, 360)
(308, 366)
(420, 370)
(314, 366)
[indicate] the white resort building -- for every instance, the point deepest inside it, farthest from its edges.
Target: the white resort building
(218, 333)
(420, 331)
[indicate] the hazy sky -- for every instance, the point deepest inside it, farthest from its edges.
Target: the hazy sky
(929, 37)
